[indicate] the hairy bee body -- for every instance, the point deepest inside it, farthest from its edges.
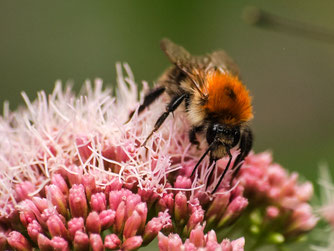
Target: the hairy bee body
(217, 104)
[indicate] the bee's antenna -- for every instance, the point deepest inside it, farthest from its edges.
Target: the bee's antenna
(264, 19)
(203, 156)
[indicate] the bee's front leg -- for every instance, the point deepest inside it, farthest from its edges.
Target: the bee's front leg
(245, 146)
(171, 107)
(149, 98)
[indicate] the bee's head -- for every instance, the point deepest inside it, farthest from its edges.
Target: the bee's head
(224, 135)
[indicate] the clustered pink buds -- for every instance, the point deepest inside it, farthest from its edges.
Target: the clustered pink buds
(199, 241)
(284, 199)
(75, 177)
(120, 211)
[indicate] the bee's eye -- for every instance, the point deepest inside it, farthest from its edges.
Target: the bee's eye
(226, 132)
(221, 129)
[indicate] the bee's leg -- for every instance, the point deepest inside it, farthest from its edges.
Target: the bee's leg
(225, 170)
(192, 135)
(149, 98)
(171, 107)
(245, 146)
(201, 159)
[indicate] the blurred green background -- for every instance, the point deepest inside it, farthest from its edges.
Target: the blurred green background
(291, 78)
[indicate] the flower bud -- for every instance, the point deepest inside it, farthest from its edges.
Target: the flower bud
(40, 203)
(44, 243)
(131, 225)
(141, 209)
(74, 225)
(120, 218)
(196, 217)
(18, 242)
(77, 201)
(26, 217)
(98, 202)
(238, 244)
(93, 224)
(166, 202)
(161, 223)
(59, 244)
(302, 219)
(197, 236)
(132, 243)
(107, 218)
(181, 207)
(171, 243)
(131, 203)
(56, 227)
(115, 197)
(81, 241)
(96, 243)
(112, 241)
(89, 183)
(57, 198)
(233, 210)
(60, 182)
(34, 229)
(182, 182)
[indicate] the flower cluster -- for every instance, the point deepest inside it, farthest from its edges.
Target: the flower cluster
(74, 176)
(279, 204)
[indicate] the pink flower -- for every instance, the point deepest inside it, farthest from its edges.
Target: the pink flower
(75, 172)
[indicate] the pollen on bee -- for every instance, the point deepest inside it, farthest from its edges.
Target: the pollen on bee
(228, 98)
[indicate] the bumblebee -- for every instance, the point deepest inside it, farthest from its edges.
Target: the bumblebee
(217, 104)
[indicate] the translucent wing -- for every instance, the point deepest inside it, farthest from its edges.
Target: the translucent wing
(187, 63)
(177, 54)
(220, 59)
(182, 59)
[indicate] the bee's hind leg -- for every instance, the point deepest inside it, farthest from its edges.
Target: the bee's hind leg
(171, 107)
(149, 98)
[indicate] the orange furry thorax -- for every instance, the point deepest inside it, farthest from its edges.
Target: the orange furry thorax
(227, 98)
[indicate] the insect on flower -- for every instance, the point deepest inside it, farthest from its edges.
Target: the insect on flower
(217, 104)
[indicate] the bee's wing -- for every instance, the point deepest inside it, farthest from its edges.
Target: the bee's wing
(186, 62)
(220, 59)
(177, 55)
(182, 59)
